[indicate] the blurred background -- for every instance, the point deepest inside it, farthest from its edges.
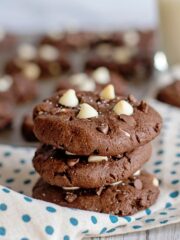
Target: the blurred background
(47, 46)
(29, 16)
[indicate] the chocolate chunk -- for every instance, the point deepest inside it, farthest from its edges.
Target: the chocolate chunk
(157, 127)
(143, 107)
(132, 99)
(138, 184)
(72, 162)
(128, 119)
(103, 128)
(70, 197)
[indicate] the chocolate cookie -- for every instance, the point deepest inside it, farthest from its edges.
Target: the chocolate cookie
(86, 123)
(126, 198)
(27, 126)
(35, 63)
(7, 40)
(93, 81)
(18, 88)
(6, 114)
(170, 94)
(129, 53)
(66, 41)
(63, 170)
(123, 60)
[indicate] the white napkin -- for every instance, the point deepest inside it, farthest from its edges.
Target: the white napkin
(24, 218)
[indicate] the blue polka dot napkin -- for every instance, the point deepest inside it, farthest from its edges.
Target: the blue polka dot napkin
(24, 218)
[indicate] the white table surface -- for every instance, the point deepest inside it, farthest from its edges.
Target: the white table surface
(170, 232)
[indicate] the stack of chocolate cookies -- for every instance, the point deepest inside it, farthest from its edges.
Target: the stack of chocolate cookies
(94, 147)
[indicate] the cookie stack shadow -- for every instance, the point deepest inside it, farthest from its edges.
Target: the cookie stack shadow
(94, 146)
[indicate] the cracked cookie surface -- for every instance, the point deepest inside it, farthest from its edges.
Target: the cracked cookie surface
(60, 127)
(60, 169)
(131, 196)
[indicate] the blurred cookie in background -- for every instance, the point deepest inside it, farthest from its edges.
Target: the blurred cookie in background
(42, 62)
(170, 93)
(6, 114)
(27, 126)
(129, 53)
(7, 40)
(17, 88)
(93, 81)
(69, 40)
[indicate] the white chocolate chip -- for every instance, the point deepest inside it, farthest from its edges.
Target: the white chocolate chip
(5, 83)
(48, 52)
(104, 50)
(116, 183)
(137, 173)
(55, 35)
(108, 92)
(87, 111)
(70, 188)
(126, 133)
(122, 55)
(101, 75)
(155, 182)
(131, 38)
(88, 85)
(26, 52)
(123, 107)
(97, 158)
(83, 82)
(69, 99)
(31, 71)
(69, 153)
(78, 79)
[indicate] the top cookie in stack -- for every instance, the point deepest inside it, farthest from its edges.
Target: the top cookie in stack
(86, 123)
(94, 146)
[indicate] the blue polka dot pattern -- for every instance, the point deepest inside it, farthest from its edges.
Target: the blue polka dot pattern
(2, 231)
(103, 230)
(74, 221)
(163, 222)
(7, 154)
(111, 230)
(51, 209)
(49, 230)
(174, 194)
(3, 207)
(66, 237)
(94, 219)
(128, 219)
(28, 199)
(9, 180)
(26, 218)
(136, 226)
(148, 211)
(176, 181)
(168, 205)
(6, 190)
(158, 162)
(27, 181)
(149, 220)
(113, 219)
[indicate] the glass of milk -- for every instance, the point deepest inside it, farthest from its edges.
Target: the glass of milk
(169, 27)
